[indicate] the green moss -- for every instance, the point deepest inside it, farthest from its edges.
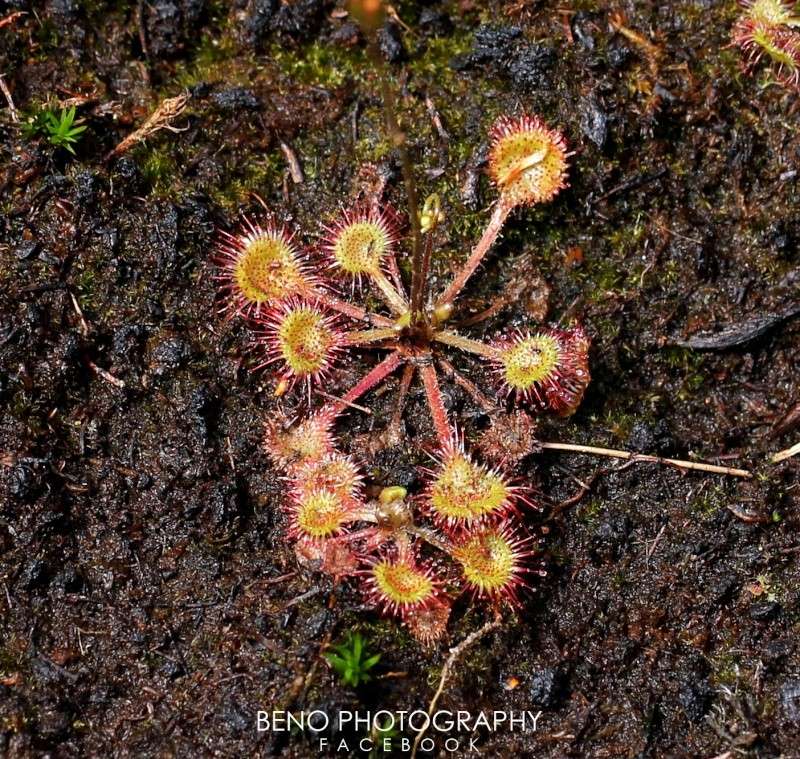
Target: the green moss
(692, 366)
(8, 661)
(726, 667)
(215, 60)
(607, 327)
(372, 148)
(45, 35)
(620, 423)
(590, 513)
(603, 277)
(708, 501)
(86, 285)
(158, 167)
(619, 580)
(319, 64)
(256, 175)
(628, 237)
(432, 64)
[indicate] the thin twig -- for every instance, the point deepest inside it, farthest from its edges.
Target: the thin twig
(271, 580)
(303, 597)
(616, 454)
(471, 388)
(585, 487)
(498, 304)
(787, 422)
(105, 375)
(140, 28)
(652, 548)
(11, 18)
(749, 517)
(230, 455)
(455, 654)
(786, 454)
(405, 384)
(12, 109)
(84, 329)
(437, 119)
(295, 168)
(341, 400)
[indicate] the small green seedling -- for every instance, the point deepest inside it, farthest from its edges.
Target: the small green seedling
(351, 661)
(61, 131)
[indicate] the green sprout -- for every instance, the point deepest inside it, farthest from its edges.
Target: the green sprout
(61, 131)
(351, 661)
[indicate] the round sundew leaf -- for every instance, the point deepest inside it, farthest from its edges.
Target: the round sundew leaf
(529, 361)
(335, 472)
(428, 624)
(305, 340)
(293, 446)
(491, 562)
(464, 491)
(775, 12)
(359, 241)
(527, 160)
(549, 367)
(320, 514)
(267, 269)
(360, 248)
(771, 28)
(401, 584)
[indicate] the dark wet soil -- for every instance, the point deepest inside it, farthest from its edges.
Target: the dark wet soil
(150, 603)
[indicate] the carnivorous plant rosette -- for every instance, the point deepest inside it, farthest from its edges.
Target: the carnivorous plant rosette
(463, 532)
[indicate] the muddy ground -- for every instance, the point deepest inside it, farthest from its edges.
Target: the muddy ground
(150, 603)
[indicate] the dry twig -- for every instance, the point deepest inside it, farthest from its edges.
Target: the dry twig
(295, 168)
(11, 18)
(12, 109)
(786, 454)
(455, 654)
(680, 463)
(105, 375)
(167, 110)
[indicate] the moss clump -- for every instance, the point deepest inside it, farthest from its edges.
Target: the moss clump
(159, 168)
(432, 64)
(692, 365)
(215, 60)
(319, 64)
(708, 502)
(590, 513)
(259, 172)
